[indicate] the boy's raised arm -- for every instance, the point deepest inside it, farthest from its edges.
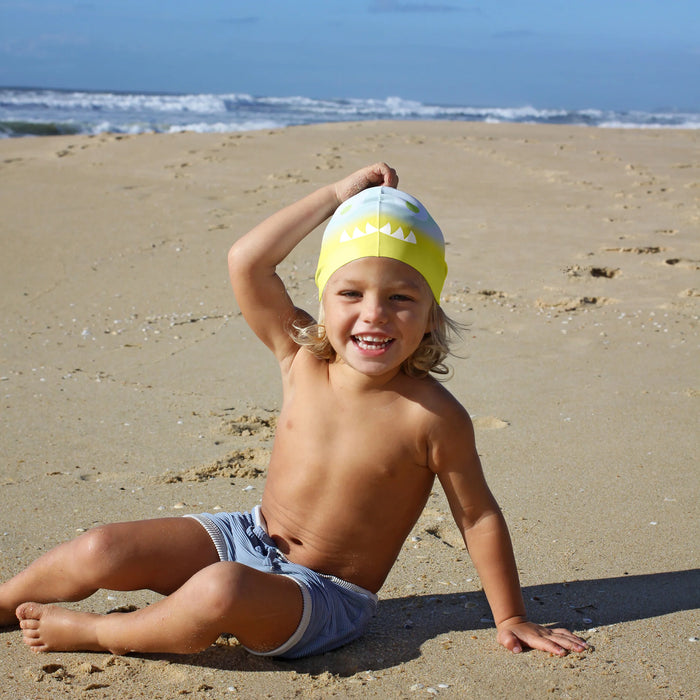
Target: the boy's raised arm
(253, 259)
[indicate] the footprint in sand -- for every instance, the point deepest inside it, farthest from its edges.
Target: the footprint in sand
(294, 177)
(330, 159)
(593, 271)
(572, 303)
(242, 464)
(684, 263)
(640, 250)
(249, 425)
(464, 295)
(607, 272)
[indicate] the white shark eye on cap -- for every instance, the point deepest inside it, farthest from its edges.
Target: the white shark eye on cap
(386, 223)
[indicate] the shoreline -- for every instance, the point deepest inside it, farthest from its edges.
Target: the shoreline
(45, 110)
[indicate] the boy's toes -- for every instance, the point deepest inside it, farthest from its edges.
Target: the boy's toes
(35, 645)
(30, 628)
(27, 611)
(29, 625)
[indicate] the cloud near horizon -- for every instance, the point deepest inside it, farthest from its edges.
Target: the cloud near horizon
(399, 6)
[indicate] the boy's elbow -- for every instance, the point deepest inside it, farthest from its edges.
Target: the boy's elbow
(231, 260)
(237, 267)
(247, 261)
(233, 253)
(236, 260)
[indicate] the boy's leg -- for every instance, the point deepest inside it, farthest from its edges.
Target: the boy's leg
(159, 555)
(261, 610)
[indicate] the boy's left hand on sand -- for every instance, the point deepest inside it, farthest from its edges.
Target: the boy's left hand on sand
(513, 636)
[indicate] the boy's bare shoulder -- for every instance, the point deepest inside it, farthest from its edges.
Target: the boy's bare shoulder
(437, 398)
(438, 406)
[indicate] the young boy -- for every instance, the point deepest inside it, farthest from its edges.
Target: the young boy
(362, 433)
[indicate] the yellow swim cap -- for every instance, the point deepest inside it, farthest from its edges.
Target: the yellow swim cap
(386, 223)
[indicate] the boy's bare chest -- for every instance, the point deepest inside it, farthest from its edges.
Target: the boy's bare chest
(380, 436)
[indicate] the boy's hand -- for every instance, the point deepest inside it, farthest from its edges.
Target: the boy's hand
(515, 633)
(371, 176)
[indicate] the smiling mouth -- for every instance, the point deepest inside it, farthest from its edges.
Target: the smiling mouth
(370, 342)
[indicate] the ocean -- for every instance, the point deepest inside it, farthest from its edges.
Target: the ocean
(44, 112)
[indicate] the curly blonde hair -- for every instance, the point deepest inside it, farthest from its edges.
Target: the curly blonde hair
(428, 357)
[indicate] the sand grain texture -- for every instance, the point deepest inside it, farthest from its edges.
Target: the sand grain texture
(132, 388)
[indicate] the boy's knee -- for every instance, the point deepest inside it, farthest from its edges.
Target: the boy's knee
(224, 585)
(96, 548)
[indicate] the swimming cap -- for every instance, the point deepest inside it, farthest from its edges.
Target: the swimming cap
(386, 223)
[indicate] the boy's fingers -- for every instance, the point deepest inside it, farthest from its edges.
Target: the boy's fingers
(391, 179)
(568, 639)
(560, 641)
(386, 174)
(545, 643)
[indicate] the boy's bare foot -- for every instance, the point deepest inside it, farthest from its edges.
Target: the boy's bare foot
(52, 628)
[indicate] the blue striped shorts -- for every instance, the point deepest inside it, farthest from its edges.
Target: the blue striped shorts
(335, 611)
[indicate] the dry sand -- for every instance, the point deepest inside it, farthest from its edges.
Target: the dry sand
(132, 388)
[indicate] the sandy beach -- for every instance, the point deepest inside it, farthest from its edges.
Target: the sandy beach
(132, 388)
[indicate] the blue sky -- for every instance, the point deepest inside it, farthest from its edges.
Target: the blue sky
(618, 54)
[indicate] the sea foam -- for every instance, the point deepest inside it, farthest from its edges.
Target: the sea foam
(42, 112)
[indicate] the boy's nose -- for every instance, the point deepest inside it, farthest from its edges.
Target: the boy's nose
(373, 311)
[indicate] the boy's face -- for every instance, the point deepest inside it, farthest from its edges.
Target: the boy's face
(376, 312)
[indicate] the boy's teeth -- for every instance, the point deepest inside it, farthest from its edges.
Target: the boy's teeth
(372, 341)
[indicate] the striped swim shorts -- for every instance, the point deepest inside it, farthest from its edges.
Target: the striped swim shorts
(335, 611)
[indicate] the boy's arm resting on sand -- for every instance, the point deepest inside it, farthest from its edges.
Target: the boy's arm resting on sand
(253, 259)
(456, 462)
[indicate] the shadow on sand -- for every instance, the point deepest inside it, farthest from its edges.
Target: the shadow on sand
(402, 625)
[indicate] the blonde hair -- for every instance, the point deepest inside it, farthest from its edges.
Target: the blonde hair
(427, 357)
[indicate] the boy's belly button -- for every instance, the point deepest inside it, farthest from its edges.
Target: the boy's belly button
(283, 543)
